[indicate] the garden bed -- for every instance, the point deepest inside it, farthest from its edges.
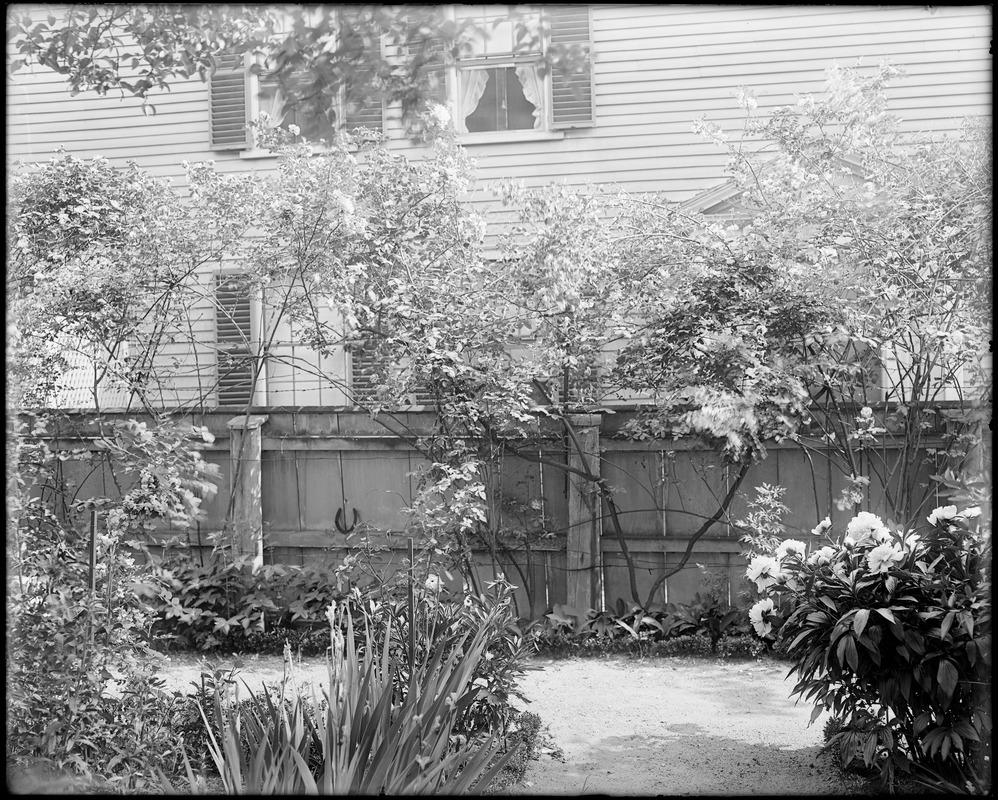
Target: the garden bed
(622, 725)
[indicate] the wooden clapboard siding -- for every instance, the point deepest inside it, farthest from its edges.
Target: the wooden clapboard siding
(659, 68)
(656, 70)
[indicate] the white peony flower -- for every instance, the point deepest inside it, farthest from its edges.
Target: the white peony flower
(433, 583)
(293, 129)
(790, 547)
(882, 535)
(942, 513)
(764, 570)
(757, 616)
(971, 513)
(822, 557)
(882, 557)
(861, 528)
(866, 412)
(821, 527)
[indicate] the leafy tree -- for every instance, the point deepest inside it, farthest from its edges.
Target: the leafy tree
(892, 234)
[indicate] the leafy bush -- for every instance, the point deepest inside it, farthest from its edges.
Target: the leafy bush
(891, 633)
(228, 605)
(633, 629)
(82, 691)
(367, 739)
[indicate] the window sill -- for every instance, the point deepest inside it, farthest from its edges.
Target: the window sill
(256, 152)
(503, 137)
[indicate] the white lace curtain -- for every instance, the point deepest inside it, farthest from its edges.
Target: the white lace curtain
(474, 81)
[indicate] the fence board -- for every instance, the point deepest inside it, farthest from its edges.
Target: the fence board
(638, 492)
(378, 487)
(695, 485)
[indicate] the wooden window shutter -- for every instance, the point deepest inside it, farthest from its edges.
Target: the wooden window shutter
(365, 371)
(368, 361)
(572, 96)
(227, 104)
(360, 111)
(233, 334)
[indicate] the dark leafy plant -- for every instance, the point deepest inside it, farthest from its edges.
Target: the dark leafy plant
(890, 632)
(703, 615)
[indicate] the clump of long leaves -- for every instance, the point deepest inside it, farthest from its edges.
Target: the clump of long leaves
(360, 738)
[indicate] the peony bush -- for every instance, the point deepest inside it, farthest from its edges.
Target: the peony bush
(890, 632)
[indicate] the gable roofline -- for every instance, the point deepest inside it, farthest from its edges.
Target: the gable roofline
(723, 198)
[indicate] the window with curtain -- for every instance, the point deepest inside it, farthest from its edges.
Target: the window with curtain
(498, 85)
(310, 118)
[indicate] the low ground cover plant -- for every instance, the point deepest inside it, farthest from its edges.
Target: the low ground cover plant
(705, 627)
(889, 630)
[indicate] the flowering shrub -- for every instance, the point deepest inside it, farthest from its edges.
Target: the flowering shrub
(890, 631)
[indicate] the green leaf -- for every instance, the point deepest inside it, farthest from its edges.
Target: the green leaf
(948, 676)
(947, 623)
(860, 620)
(887, 614)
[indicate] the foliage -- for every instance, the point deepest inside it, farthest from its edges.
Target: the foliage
(100, 272)
(228, 605)
(442, 619)
(676, 628)
(763, 525)
(82, 688)
(370, 740)
(890, 631)
(316, 52)
(227, 599)
(523, 743)
(893, 234)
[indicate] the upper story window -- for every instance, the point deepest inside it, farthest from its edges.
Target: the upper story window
(271, 100)
(240, 94)
(496, 87)
(496, 84)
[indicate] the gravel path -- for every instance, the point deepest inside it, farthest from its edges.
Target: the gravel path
(667, 726)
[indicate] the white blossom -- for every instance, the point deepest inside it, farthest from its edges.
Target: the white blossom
(791, 547)
(882, 557)
(764, 570)
(757, 616)
(862, 527)
(822, 556)
(942, 513)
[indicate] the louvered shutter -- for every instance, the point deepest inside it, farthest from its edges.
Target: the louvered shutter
(572, 96)
(233, 335)
(228, 102)
(360, 111)
(365, 371)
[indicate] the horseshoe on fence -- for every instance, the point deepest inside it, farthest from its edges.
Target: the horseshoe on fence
(341, 520)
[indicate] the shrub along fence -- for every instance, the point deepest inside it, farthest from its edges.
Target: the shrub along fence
(318, 484)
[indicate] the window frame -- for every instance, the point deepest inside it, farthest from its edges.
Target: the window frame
(492, 61)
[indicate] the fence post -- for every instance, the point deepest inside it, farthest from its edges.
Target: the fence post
(247, 514)
(585, 560)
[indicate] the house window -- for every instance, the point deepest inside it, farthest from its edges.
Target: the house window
(498, 85)
(310, 118)
(501, 99)
(237, 96)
